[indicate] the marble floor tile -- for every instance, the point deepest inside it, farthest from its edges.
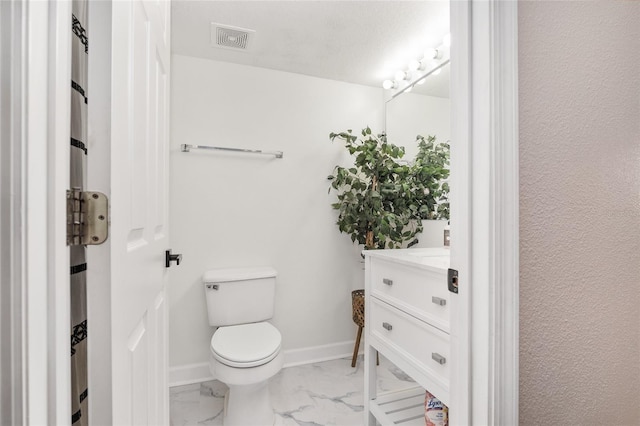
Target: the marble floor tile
(319, 394)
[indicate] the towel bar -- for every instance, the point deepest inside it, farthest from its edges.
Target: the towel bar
(186, 148)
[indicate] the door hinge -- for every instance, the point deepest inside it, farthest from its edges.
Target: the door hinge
(87, 217)
(453, 281)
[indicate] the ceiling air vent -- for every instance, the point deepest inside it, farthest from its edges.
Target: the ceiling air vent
(228, 37)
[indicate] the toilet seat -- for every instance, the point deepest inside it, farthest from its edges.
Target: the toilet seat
(246, 345)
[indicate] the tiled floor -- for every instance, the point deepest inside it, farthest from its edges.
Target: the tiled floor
(321, 394)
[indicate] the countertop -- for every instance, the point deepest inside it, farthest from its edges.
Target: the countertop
(435, 259)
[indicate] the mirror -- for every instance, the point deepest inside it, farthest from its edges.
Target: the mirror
(425, 110)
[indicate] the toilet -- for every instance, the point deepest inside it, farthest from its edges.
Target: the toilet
(245, 350)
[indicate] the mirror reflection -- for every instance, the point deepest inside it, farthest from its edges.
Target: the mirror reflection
(425, 111)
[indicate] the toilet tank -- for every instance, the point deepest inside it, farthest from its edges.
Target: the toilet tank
(239, 295)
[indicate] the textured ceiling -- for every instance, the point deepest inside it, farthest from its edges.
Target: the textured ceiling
(362, 42)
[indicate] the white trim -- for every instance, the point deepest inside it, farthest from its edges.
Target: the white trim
(494, 206)
(484, 236)
(47, 178)
(460, 197)
(39, 72)
(309, 355)
(99, 356)
(12, 64)
(196, 373)
(35, 215)
(189, 374)
(505, 181)
(482, 233)
(59, 129)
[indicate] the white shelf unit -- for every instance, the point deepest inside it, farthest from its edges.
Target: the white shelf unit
(407, 321)
(404, 407)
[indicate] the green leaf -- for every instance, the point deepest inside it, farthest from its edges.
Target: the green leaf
(378, 193)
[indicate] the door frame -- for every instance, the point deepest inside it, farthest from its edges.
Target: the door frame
(99, 179)
(485, 172)
(486, 122)
(35, 121)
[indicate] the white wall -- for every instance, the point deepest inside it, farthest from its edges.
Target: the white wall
(579, 96)
(231, 210)
(412, 114)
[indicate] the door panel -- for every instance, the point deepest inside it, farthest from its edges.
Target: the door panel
(140, 137)
(139, 229)
(159, 166)
(138, 346)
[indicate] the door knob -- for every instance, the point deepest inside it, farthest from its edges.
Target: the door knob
(168, 258)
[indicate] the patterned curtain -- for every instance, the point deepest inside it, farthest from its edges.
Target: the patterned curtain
(79, 64)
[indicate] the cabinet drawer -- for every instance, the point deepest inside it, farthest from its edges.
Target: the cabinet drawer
(416, 341)
(420, 292)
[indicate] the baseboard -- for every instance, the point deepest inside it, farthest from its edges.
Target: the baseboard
(188, 374)
(293, 357)
(196, 373)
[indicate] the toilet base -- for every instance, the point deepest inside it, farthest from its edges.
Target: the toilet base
(248, 405)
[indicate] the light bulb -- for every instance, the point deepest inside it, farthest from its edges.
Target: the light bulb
(401, 75)
(389, 84)
(446, 40)
(414, 65)
(432, 53)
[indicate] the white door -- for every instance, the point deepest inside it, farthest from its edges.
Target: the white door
(139, 205)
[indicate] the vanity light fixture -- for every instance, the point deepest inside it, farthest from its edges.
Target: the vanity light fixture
(405, 80)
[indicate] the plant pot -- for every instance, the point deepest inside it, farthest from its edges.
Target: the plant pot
(357, 307)
(357, 303)
(432, 234)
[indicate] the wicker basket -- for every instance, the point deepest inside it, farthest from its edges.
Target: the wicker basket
(357, 301)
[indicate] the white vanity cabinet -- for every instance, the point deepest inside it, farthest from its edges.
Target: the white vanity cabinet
(407, 317)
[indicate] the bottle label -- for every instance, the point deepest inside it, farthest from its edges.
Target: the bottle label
(436, 418)
(435, 412)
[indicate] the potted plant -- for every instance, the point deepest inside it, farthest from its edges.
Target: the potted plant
(377, 201)
(376, 197)
(431, 170)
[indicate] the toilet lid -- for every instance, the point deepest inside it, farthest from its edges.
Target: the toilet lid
(246, 345)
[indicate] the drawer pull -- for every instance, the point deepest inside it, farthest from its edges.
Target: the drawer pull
(386, 326)
(438, 358)
(438, 301)
(387, 281)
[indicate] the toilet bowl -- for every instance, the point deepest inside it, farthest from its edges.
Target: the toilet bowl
(245, 357)
(245, 350)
